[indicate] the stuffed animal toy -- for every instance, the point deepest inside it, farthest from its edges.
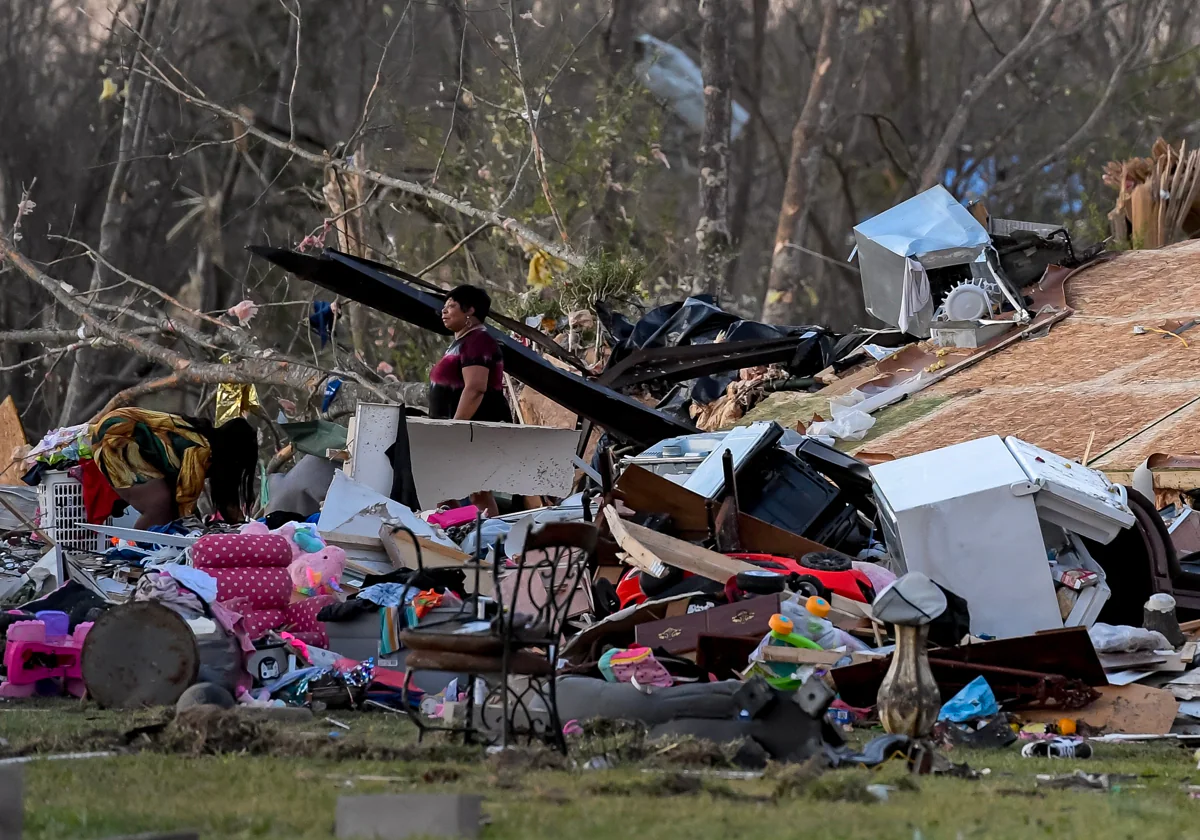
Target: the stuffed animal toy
(301, 536)
(318, 573)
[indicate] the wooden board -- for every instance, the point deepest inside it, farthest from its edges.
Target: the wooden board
(646, 492)
(1123, 710)
(12, 436)
(635, 554)
(807, 656)
(684, 555)
(400, 550)
(1119, 661)
(765, 538)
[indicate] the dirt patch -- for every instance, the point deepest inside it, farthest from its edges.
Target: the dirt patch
(208, 730)
(440, 775)
(795, 779)
(525, 759)
(665, 785)
(652, 785)
(96, 740)
(622, 742)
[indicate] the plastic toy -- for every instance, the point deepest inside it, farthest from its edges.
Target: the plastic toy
(318, 573)
(782, 675)
(301, 536)
(41, 650)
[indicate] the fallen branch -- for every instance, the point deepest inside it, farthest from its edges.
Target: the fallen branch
(282, 372)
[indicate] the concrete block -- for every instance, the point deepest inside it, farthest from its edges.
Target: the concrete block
(12, 807)
(396, 816)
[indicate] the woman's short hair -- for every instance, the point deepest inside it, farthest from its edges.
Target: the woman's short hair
(472, 297)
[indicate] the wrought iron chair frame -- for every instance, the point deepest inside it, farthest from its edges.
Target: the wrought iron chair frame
(569, 552)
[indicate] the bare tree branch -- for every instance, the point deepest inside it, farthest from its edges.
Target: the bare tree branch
(366, 111)
(1085, 128)
(560, 250)
(935, 168)
(530, 118)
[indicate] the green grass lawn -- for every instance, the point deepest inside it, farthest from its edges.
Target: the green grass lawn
(291, 792)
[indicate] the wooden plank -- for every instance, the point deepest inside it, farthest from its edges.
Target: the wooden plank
(636, 554)
(684, 555)
(765, 538)
(807, 656)
(1188, 653)
(646, 492)
(1120, 661)
(353, 541)
(400, 550)
(12, 437)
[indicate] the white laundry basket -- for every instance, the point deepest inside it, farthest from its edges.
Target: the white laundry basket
(63, 516)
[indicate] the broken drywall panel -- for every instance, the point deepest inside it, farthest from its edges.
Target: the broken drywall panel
(375, 426)
(452, 459)
(355, 510)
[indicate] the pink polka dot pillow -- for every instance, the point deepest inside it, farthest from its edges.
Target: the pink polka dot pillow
(232, 551)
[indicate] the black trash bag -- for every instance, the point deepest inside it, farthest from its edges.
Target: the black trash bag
(948, 629)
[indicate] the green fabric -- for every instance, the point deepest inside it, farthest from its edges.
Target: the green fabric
(315, 437)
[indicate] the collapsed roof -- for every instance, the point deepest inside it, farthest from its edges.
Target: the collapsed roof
(1137, 391)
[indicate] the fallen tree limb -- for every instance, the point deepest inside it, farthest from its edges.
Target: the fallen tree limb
(268, 370)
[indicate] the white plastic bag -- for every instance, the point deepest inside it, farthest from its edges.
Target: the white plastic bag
(1109, 639)
(850, 425)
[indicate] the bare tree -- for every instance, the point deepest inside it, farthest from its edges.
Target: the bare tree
(786, 283)
(133, 116)
(749, 142)
(712, 230)
(499, 135)
(620, 48)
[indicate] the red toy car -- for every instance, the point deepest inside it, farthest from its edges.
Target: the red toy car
(833, 571)
(828, 572)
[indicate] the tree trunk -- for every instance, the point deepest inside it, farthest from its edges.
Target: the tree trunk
(712, 231)
(257, 213)
(620, 48)
(749, 145)
(785, 285)
(113, 217)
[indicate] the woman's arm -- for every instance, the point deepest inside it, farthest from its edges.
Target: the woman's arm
(475, 382)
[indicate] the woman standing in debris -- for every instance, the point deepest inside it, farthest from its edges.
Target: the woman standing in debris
(158, 463)
(468, 382)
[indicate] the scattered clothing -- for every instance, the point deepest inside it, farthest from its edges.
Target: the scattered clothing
(421, 606)
(100, 500)
(197, 580)
(391, 622)
(440, 580)
(33, 476)
(389, 594)
(165, 590)
(134, 446)
(635, 665)
(346, 611)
